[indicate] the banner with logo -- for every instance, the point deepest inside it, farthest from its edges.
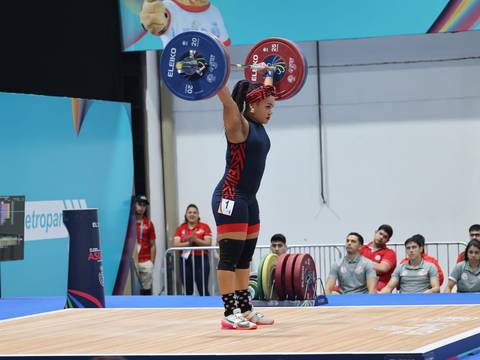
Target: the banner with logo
(64, 153)
(241, 23)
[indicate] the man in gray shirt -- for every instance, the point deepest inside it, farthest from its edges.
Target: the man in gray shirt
(416, 275)
(354, 273)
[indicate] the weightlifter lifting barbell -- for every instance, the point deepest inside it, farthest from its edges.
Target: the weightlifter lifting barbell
(195, 66)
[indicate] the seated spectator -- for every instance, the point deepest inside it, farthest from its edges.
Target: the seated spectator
(416, 275)
(474, 233)
(278, 244)
(194, 233)
(466, 275)
(432, 260)
(384, 259)
(355, 274)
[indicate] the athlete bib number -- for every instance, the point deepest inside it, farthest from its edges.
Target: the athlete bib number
(226, 207)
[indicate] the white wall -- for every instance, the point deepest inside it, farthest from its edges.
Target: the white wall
(400, 143)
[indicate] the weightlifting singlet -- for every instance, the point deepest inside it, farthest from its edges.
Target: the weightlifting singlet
(245, 164)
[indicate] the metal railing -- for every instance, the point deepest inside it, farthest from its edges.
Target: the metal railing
(325, 255)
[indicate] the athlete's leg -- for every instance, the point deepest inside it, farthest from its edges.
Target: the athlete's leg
(231, 235)
(243, 268)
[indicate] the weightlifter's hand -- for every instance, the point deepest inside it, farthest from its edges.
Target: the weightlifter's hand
(154, 17)
(267, 73)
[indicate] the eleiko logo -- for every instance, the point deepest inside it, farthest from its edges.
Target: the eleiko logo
(44, 219)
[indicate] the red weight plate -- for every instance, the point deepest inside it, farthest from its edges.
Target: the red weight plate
(290, 63)
(289, 267)
(304, 277)
(280, 276)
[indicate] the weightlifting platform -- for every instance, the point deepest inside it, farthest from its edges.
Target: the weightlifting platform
(391, 326)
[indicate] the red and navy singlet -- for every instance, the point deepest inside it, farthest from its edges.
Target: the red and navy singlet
(245, 164)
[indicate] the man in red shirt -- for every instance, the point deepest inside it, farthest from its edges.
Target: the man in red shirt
(384, 259)
(145, 248)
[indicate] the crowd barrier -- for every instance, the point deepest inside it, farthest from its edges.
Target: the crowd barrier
(323, 254)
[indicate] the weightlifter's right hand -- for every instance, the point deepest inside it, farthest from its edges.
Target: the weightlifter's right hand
(154, 17)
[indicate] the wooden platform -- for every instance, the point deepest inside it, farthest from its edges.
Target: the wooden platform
(308, 330)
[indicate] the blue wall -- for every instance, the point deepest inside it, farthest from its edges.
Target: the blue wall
(44, 159)
(248, 23)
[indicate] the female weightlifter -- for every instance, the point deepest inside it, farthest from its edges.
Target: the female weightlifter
(234, 200)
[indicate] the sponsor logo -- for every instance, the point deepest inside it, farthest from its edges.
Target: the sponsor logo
(44, 219)
(359, 269)
(171, 62)
(94, 254)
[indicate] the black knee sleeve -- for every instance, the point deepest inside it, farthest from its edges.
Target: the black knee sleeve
(230, 251)
(247, 253)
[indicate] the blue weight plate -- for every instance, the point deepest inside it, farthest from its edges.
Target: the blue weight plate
(206, 50)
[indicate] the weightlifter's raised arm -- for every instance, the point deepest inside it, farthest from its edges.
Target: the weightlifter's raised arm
(236, 126)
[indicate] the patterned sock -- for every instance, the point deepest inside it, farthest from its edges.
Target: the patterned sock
(243, 300)
(229, 303)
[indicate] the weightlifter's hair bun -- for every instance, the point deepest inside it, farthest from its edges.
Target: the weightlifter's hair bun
(240, 90)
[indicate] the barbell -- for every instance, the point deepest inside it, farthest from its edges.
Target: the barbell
(195, 65)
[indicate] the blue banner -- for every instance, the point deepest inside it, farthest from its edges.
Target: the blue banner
(64, 153)
(240, 23)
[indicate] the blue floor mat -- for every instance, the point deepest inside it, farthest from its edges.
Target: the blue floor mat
(22, 306)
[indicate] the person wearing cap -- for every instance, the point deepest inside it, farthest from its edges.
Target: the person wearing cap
(416, 275)
(278, 244)
(193, 232)
(145, 248)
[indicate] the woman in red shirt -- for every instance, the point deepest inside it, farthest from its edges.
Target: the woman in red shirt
(194, 263)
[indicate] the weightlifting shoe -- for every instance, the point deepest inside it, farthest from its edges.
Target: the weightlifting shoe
(236, 321)
(257, 318)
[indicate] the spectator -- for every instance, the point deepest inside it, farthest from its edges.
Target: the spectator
(278, 244)
(384, 259)
(474, 233)
(416, 275)
(466, 275)
(432, 260)
(194, 233)
(355, 274)
(145, 249)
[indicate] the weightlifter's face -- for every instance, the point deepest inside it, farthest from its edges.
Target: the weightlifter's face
(262, 110)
